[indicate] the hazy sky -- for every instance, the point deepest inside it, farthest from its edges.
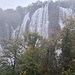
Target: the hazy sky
(5, 4)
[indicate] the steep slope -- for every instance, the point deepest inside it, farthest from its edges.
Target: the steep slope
(64, 13)
(39, 21)
(47, 20)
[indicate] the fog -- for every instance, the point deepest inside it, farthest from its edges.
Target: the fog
(6, 4)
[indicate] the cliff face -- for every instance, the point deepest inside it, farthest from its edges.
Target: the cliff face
(44, 18)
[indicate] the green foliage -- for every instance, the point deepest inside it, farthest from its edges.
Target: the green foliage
(38, 56)
(68, 49)
(11, 51)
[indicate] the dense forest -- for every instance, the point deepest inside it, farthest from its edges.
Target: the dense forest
(33, 54)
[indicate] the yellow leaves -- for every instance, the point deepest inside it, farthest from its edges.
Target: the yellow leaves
(73, 47)
(73, 60)
(65, 72)
(24, 73)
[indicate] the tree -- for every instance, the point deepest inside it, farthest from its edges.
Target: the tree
(40, 52)
(67, 45)
(11, 50)
(31, 57)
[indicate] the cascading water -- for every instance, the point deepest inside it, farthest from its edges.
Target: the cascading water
(0, 50)
(23, 26)
(64, 13)
(39, 21)
(6, 31)
(15, 32)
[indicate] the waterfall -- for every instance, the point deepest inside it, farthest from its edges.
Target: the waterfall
(0, 50)
(23, 26)
(39, 21)
(6, 31)
(64, 13)
(15, 32)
